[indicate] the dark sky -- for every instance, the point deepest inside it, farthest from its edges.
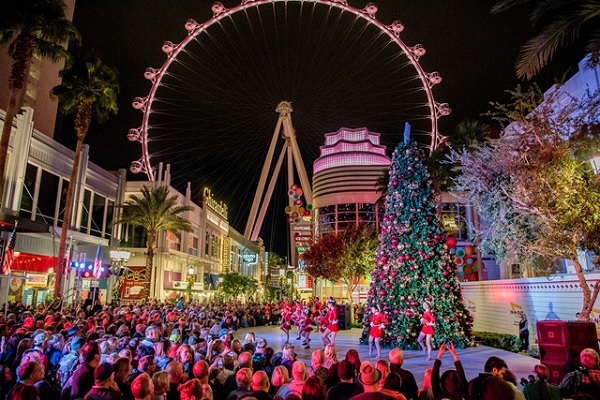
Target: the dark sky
(215, 111)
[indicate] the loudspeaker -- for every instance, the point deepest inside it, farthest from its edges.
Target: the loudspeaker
(561, 342)
(343, 315)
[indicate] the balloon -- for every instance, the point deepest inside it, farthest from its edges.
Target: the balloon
(298, 202)
(295, 214)
(469, 250)
(469, 261)
(450, 242)
(291, 193)
(467, 270)
(452, 251)
(309, 207)
(459, 261)
(299, 191)
(295, 196)
(294, 187)
(301, 210)
(288, 209)
(307, 213)
(460, 252)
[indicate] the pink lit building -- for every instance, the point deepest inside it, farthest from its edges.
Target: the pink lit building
(345, 179)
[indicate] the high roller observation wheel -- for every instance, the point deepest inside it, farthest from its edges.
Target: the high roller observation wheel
(220, 12)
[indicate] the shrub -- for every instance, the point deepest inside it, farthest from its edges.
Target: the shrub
(502, 341)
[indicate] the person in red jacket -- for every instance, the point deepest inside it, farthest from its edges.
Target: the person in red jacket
(378, 323)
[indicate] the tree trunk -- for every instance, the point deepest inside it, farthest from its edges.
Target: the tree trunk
(82, 124)
(16, 84)
(589, 297)
(151, 245)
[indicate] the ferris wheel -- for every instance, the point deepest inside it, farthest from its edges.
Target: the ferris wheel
(245, 58)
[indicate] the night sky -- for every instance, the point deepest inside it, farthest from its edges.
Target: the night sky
(215, 111)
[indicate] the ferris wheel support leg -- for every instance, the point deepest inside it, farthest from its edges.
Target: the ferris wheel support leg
(290, 178)
(262, 181)
(268, 195)
(288, 130)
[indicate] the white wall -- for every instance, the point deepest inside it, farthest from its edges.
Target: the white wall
(496, 306)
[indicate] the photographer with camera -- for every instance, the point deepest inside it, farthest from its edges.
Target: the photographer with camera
(453, 383)
(537, 387)
(586, 380)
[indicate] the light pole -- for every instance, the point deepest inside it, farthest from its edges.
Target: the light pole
(191, 279)
(119, 259)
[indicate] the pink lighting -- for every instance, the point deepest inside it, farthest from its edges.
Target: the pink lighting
(351, 147)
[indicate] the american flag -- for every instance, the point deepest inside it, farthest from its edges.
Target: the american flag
(9, 252)
(97, 264)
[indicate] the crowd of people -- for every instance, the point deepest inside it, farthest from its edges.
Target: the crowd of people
(160, 352)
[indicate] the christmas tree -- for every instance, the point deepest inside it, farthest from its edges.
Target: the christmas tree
(413, 263)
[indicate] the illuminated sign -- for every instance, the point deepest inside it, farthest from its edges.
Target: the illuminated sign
(250, 258)
(218, 206)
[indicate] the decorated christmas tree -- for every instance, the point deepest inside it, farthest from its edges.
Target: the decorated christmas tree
(413, 263)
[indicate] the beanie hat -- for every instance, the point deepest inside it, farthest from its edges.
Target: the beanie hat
(103, 372)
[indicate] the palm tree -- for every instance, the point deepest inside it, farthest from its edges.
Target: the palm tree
(29, 27)
(88, 89)
(565, 21)
(156, 212)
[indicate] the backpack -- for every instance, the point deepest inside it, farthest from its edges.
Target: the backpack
(67, 365)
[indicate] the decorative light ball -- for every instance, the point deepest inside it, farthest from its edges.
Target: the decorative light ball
(411, 268)
(388, 285)
(409, 297)
(447, 285)
(445, 273)
(427, 256)
(396, 311)
(382, 292)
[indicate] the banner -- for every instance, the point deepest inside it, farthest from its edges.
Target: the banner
(132, 287)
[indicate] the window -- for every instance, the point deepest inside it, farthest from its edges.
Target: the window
(85, 211)
(454, 219)
(193, 245)
(206, 243)
(98, 209)
(110, 211)
(26, 210)
(48, 191)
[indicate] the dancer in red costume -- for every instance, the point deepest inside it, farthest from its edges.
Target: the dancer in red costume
(307, 326)
(333, 326)
(378, 323)
(428, 321)
(286, 320)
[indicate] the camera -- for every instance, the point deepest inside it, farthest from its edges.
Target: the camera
(527, 381)
(220, 363)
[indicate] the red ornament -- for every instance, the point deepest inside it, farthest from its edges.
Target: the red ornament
(396, 311)
(451, 242)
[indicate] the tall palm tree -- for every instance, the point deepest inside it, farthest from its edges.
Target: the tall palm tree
(29, 27)
(156, 212)
(565, 21)
(89, 90)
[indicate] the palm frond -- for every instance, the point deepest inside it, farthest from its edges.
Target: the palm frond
(504, 5)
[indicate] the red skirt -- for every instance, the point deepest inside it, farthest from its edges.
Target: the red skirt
(427, 330)
(333, 327)
(286, 327)
(376, 332)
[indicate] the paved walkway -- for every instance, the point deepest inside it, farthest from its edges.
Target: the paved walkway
(472, 359)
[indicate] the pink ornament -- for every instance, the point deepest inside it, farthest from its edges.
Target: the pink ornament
(388, 285)
(447, 285)
(396, 311)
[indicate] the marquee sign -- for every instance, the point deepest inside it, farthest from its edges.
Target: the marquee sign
(217, 206)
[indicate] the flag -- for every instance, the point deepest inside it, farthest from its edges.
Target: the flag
(9, 252)
(97, 264)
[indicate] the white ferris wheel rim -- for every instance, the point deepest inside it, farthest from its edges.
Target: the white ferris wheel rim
(220, 12)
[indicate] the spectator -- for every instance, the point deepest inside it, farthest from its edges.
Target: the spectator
(584, 381)
(354, 358)
(192, 390)
(122, 369)
(142, 387)
(426, 392)
(347, 388)
(260, 387)
(30, 373)
(330, 356)
(288, 357)
(299, 376)
(7, 381)
(243, 379)
(185, 355)
(175, 372)
(369, 379)
(541, 389)
(453, 383)
(511, 379)
(160, 380)
(384, 367)
(313, 389)
(70, 361)
(489, 384)
(83, 377)
(23, 392)
(409, 386)
(279, 378)
(392, 385)
(317, 369)
(105, 387)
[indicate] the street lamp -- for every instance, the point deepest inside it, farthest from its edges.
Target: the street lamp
(118, 259)
(191, 270)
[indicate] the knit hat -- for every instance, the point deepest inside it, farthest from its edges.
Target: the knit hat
(77, 343)
(452, 384)
(369, 375)
(39, 339)
(103, 372)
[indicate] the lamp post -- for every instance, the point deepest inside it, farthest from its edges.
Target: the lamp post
(191, 279)
(119, 259)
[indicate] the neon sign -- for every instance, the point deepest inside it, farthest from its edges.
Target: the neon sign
(218, 206)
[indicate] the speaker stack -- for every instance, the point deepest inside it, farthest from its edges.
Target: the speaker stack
(560, 343)
(343, 315)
